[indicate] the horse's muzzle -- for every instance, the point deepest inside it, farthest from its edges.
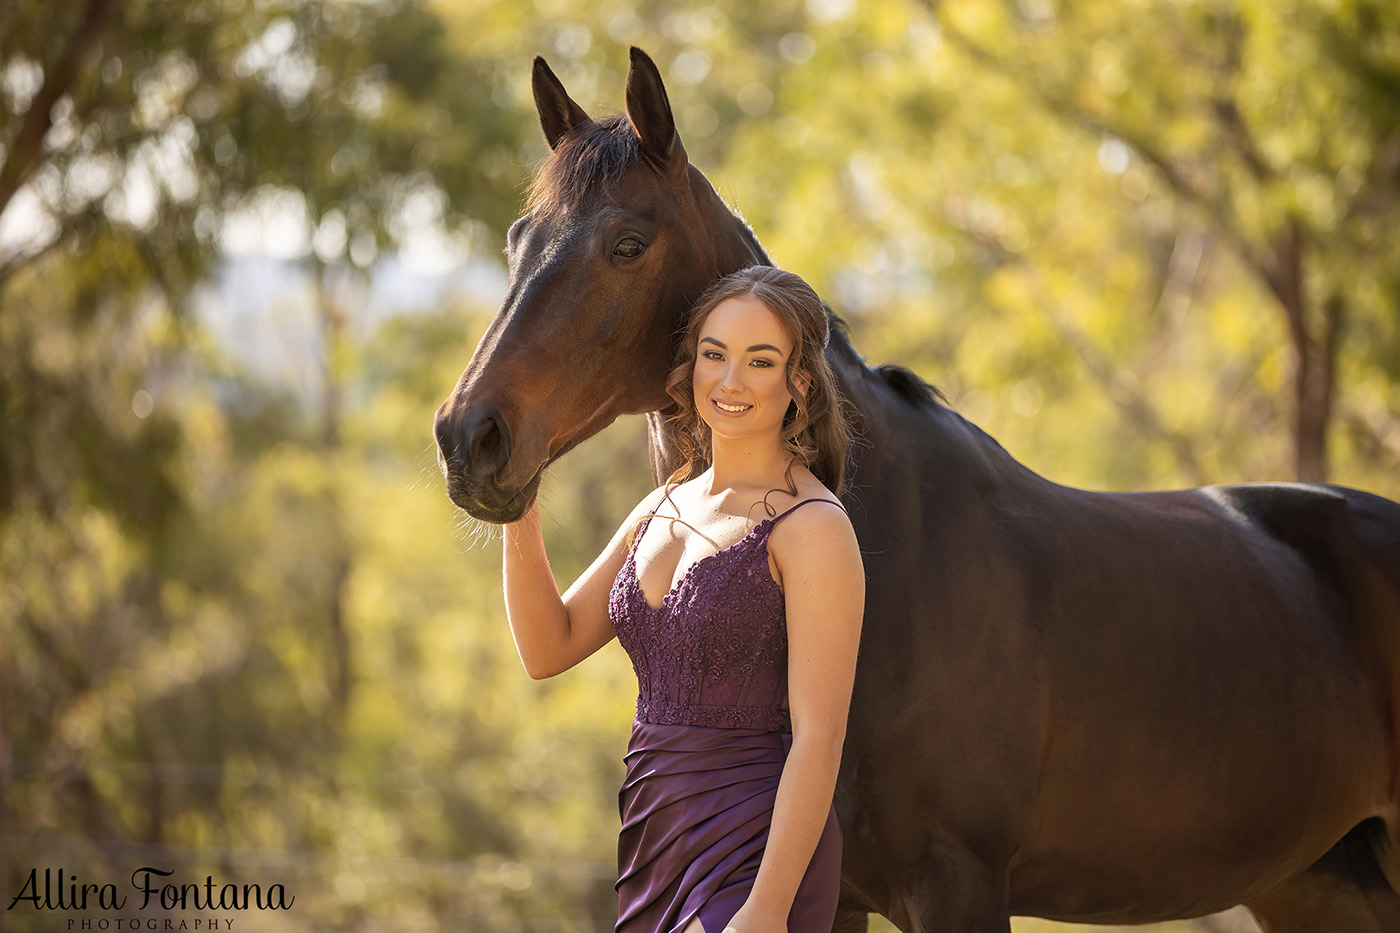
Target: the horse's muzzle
(473, 450)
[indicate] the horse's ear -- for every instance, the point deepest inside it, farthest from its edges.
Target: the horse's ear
(649, 110)
(558, 112)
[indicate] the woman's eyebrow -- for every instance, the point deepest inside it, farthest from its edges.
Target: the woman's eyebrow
(755, 347)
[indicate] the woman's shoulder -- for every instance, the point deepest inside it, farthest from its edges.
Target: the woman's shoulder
(808, 487)
(815, 536)
(649, 504)
(652, 500)
(814, 512)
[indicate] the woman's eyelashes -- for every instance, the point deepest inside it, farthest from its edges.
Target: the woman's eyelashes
(758, 361)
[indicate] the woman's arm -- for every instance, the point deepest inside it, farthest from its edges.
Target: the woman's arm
(553, 633)
(824, 588)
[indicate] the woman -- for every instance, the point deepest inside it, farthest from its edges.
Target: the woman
(745, 665)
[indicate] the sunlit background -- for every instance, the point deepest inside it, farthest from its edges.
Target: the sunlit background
(247, 246)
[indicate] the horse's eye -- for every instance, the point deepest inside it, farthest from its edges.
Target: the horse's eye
(629, 248)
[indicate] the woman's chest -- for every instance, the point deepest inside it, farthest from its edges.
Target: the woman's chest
(725, 604)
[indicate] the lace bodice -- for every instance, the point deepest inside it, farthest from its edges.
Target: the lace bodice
(715, 652)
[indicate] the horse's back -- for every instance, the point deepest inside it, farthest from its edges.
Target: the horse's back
(1350, 540)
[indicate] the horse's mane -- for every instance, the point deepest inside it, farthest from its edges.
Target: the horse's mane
(909, 386)
(906, 383)
(589, 155)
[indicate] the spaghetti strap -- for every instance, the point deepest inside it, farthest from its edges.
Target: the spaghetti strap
(645, 521)
(665, 497)
(799, 505)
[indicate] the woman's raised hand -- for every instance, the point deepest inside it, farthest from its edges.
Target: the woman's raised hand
(537, 616)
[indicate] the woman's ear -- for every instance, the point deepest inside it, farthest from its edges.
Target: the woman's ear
(803, 380)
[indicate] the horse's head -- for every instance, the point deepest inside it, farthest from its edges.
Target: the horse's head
(620, 235)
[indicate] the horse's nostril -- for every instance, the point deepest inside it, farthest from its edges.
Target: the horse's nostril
(488, 440)
(483, 437)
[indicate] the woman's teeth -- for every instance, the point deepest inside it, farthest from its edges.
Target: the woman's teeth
(732, 408)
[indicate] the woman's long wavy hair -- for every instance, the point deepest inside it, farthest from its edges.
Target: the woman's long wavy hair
(816, 427)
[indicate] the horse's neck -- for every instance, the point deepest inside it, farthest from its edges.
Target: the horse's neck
(750, 241)
(736, 246)
(905, 432)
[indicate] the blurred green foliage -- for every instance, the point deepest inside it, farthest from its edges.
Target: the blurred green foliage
(243, 633)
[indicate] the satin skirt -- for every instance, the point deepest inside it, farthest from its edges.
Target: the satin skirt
(696, 806)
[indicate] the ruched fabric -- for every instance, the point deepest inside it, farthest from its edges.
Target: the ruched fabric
(712, 733)
(696, 807)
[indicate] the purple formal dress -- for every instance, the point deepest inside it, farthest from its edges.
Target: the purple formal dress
(708, 745)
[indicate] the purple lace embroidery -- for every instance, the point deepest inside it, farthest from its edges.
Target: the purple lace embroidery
(715, 652)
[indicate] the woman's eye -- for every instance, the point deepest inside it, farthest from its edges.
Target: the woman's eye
(711, 354)
(762, 363)
(629, 248)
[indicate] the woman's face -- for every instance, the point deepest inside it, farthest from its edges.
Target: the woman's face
(740, 365)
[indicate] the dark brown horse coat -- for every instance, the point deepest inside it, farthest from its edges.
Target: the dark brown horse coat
(1102, 707)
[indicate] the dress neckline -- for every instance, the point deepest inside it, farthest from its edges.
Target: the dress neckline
(689, 571)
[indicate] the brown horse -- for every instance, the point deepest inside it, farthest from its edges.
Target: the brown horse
(1088, 706)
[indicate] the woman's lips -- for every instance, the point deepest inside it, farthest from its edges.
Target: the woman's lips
(732, 414)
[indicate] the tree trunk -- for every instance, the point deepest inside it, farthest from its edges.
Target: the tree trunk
(1314, 387)
(1313, 353)
(332, 321)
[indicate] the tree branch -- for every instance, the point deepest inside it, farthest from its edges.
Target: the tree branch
(58, 78)
(1227, 112)
(1128, 399)
(1213, 207)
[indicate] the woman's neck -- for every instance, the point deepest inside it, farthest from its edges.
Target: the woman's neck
(746, 463)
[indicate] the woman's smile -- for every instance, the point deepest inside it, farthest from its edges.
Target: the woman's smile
(731, 409)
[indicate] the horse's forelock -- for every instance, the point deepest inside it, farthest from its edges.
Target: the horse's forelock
(588, 156)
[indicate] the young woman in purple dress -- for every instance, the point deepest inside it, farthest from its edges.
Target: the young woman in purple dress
(745, 664)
